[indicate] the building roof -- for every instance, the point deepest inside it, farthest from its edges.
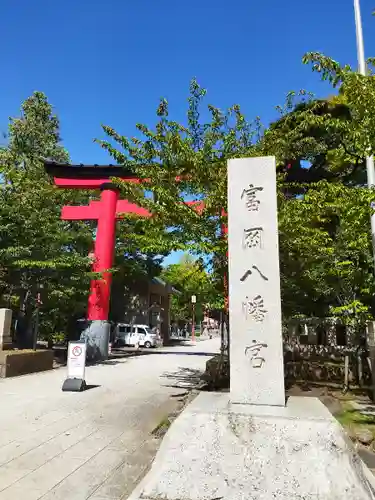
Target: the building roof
(159, 281)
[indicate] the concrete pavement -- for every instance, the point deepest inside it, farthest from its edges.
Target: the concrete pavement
(96, 444)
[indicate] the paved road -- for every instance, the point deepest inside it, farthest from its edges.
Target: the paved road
(96, 444)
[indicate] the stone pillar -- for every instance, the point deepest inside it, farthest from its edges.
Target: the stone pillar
(331, 331)
(311, 333)
(5, 325)
(256, 361)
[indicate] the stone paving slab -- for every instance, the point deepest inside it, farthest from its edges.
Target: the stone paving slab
(10, 475)
(88, 477)
(96, 444)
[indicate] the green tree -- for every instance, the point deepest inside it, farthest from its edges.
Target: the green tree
(310, 142)
(326, 252)
(326, 265)
(357, 92)
(189, 277)
(134, 268)
(196, 155)
(332, 135)
(320, 146)
(36, 247)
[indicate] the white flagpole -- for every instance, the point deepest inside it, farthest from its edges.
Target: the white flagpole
(363, 71)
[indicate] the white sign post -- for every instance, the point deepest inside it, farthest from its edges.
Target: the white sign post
(75, 380)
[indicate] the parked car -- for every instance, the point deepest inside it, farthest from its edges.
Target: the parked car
(132, 335)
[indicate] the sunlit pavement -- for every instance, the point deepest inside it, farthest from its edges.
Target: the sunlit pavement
(98, 443)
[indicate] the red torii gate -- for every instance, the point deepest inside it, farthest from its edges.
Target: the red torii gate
(106, 212)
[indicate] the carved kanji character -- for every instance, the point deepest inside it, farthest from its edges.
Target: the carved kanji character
(252, 237)
(249, 273)
(254, 309)
(250, 193)
(254, 351)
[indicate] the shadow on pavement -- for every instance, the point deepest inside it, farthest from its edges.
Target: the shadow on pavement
(182, 353)
(110, 361)
(120, 353)
(91, 386)
(144, 352)
(184, 378)
(180, 394)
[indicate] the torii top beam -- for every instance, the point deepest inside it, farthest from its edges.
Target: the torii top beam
(86, 176)
(94, 177)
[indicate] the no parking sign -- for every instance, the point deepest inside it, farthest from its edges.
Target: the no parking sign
(77, 359)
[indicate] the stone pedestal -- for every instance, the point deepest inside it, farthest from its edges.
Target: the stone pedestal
(256, 351)
(5, 326)
(97, 336)
(219, 450)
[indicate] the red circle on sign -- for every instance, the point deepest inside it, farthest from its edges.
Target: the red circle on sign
(77, 351)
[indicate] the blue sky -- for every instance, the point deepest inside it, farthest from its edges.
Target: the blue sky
(110, 61)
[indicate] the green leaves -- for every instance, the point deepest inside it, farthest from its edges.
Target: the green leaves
(190, 278)
(358, 93)
(329, 69)
(196, 154)
(326, 252)
(325, 249)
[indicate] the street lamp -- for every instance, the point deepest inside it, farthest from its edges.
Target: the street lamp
(193, 302)
(363, 71)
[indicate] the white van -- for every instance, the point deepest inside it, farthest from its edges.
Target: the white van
(132, 335)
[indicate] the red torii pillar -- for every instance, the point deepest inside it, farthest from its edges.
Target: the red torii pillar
(106, 211)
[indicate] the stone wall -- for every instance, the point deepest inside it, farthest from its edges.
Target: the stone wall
(298, 352)
(315, 350)
(310, 362)
(22, 362)
(321, 331)
(317, 369)
(316, 363)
